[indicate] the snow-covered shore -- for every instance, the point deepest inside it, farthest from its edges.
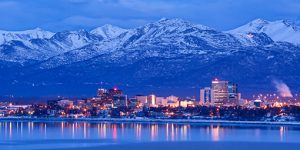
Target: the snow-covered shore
(150, 120)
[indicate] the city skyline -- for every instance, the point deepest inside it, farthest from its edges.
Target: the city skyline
(149, 74)
(218, 101)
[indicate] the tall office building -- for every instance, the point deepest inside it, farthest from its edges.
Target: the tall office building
(233, 95)
(101, 92)
(205, 96)
(132, 102)
(151, 100)
(120, 101)
(115, 91)
(219, 92)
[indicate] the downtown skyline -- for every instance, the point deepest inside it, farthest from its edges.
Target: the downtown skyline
(149, 74)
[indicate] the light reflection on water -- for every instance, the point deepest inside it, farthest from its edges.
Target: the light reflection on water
(139, 132)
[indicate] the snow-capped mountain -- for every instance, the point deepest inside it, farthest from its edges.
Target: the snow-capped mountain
(280, 30)
(108, 31)
(74, 39)
(151, 40)
(6, 36)
(44, 48)
(166, 53)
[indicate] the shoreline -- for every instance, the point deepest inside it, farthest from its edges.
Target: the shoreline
(150, 120)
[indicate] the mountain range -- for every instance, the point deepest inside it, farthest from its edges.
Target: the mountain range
(169, 56)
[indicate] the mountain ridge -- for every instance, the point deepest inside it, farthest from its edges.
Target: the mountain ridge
(169, 53)
(279, 30)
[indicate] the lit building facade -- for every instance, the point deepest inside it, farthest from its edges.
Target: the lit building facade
(161, 101)
(205, 96)
(101, 92)
(151, 100)
(233, 95)
(115, 91)
(257, 103)
(119, 100)
(172, 101)
(219, 92)
(132, 102)
(142, 99)
(65, 103)
(187, 103)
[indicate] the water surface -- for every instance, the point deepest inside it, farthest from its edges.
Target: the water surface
(16, 135)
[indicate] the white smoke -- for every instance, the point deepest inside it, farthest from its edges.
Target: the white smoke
(282, 89)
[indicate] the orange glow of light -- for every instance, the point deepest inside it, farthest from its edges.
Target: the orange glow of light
(84, 130)
(167, 131)
(62, 128)
(172, 132)
(154, 132)
(115, 134)
(215, 133)
(282, 132)
(10, 129)
(138, 131)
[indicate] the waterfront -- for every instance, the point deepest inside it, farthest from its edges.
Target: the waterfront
(68, 135)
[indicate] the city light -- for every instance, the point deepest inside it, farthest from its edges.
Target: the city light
(221, 96)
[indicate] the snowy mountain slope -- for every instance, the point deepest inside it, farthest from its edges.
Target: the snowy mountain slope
(74, 39)
(177, 34)
(175, 30)
(6, 36)
(41, 49)
(108, 31)
(251, 67)
(166, 53)
(151, 40)
(16, 51)
(281, 30)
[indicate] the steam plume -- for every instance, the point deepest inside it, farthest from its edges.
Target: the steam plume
(282, 89)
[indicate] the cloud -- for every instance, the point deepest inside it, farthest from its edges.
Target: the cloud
(82, 21)
(219, 14)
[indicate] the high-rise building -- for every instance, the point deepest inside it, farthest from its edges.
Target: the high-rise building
(101, 92)
(115, 91)
(119, 100)
(205, 96)
(132, 102)
(219, 92)
(151, 100)
(108, 97)
(103, 97)
(233, 95)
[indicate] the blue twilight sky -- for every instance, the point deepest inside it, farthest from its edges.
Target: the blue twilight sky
(58, 15)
